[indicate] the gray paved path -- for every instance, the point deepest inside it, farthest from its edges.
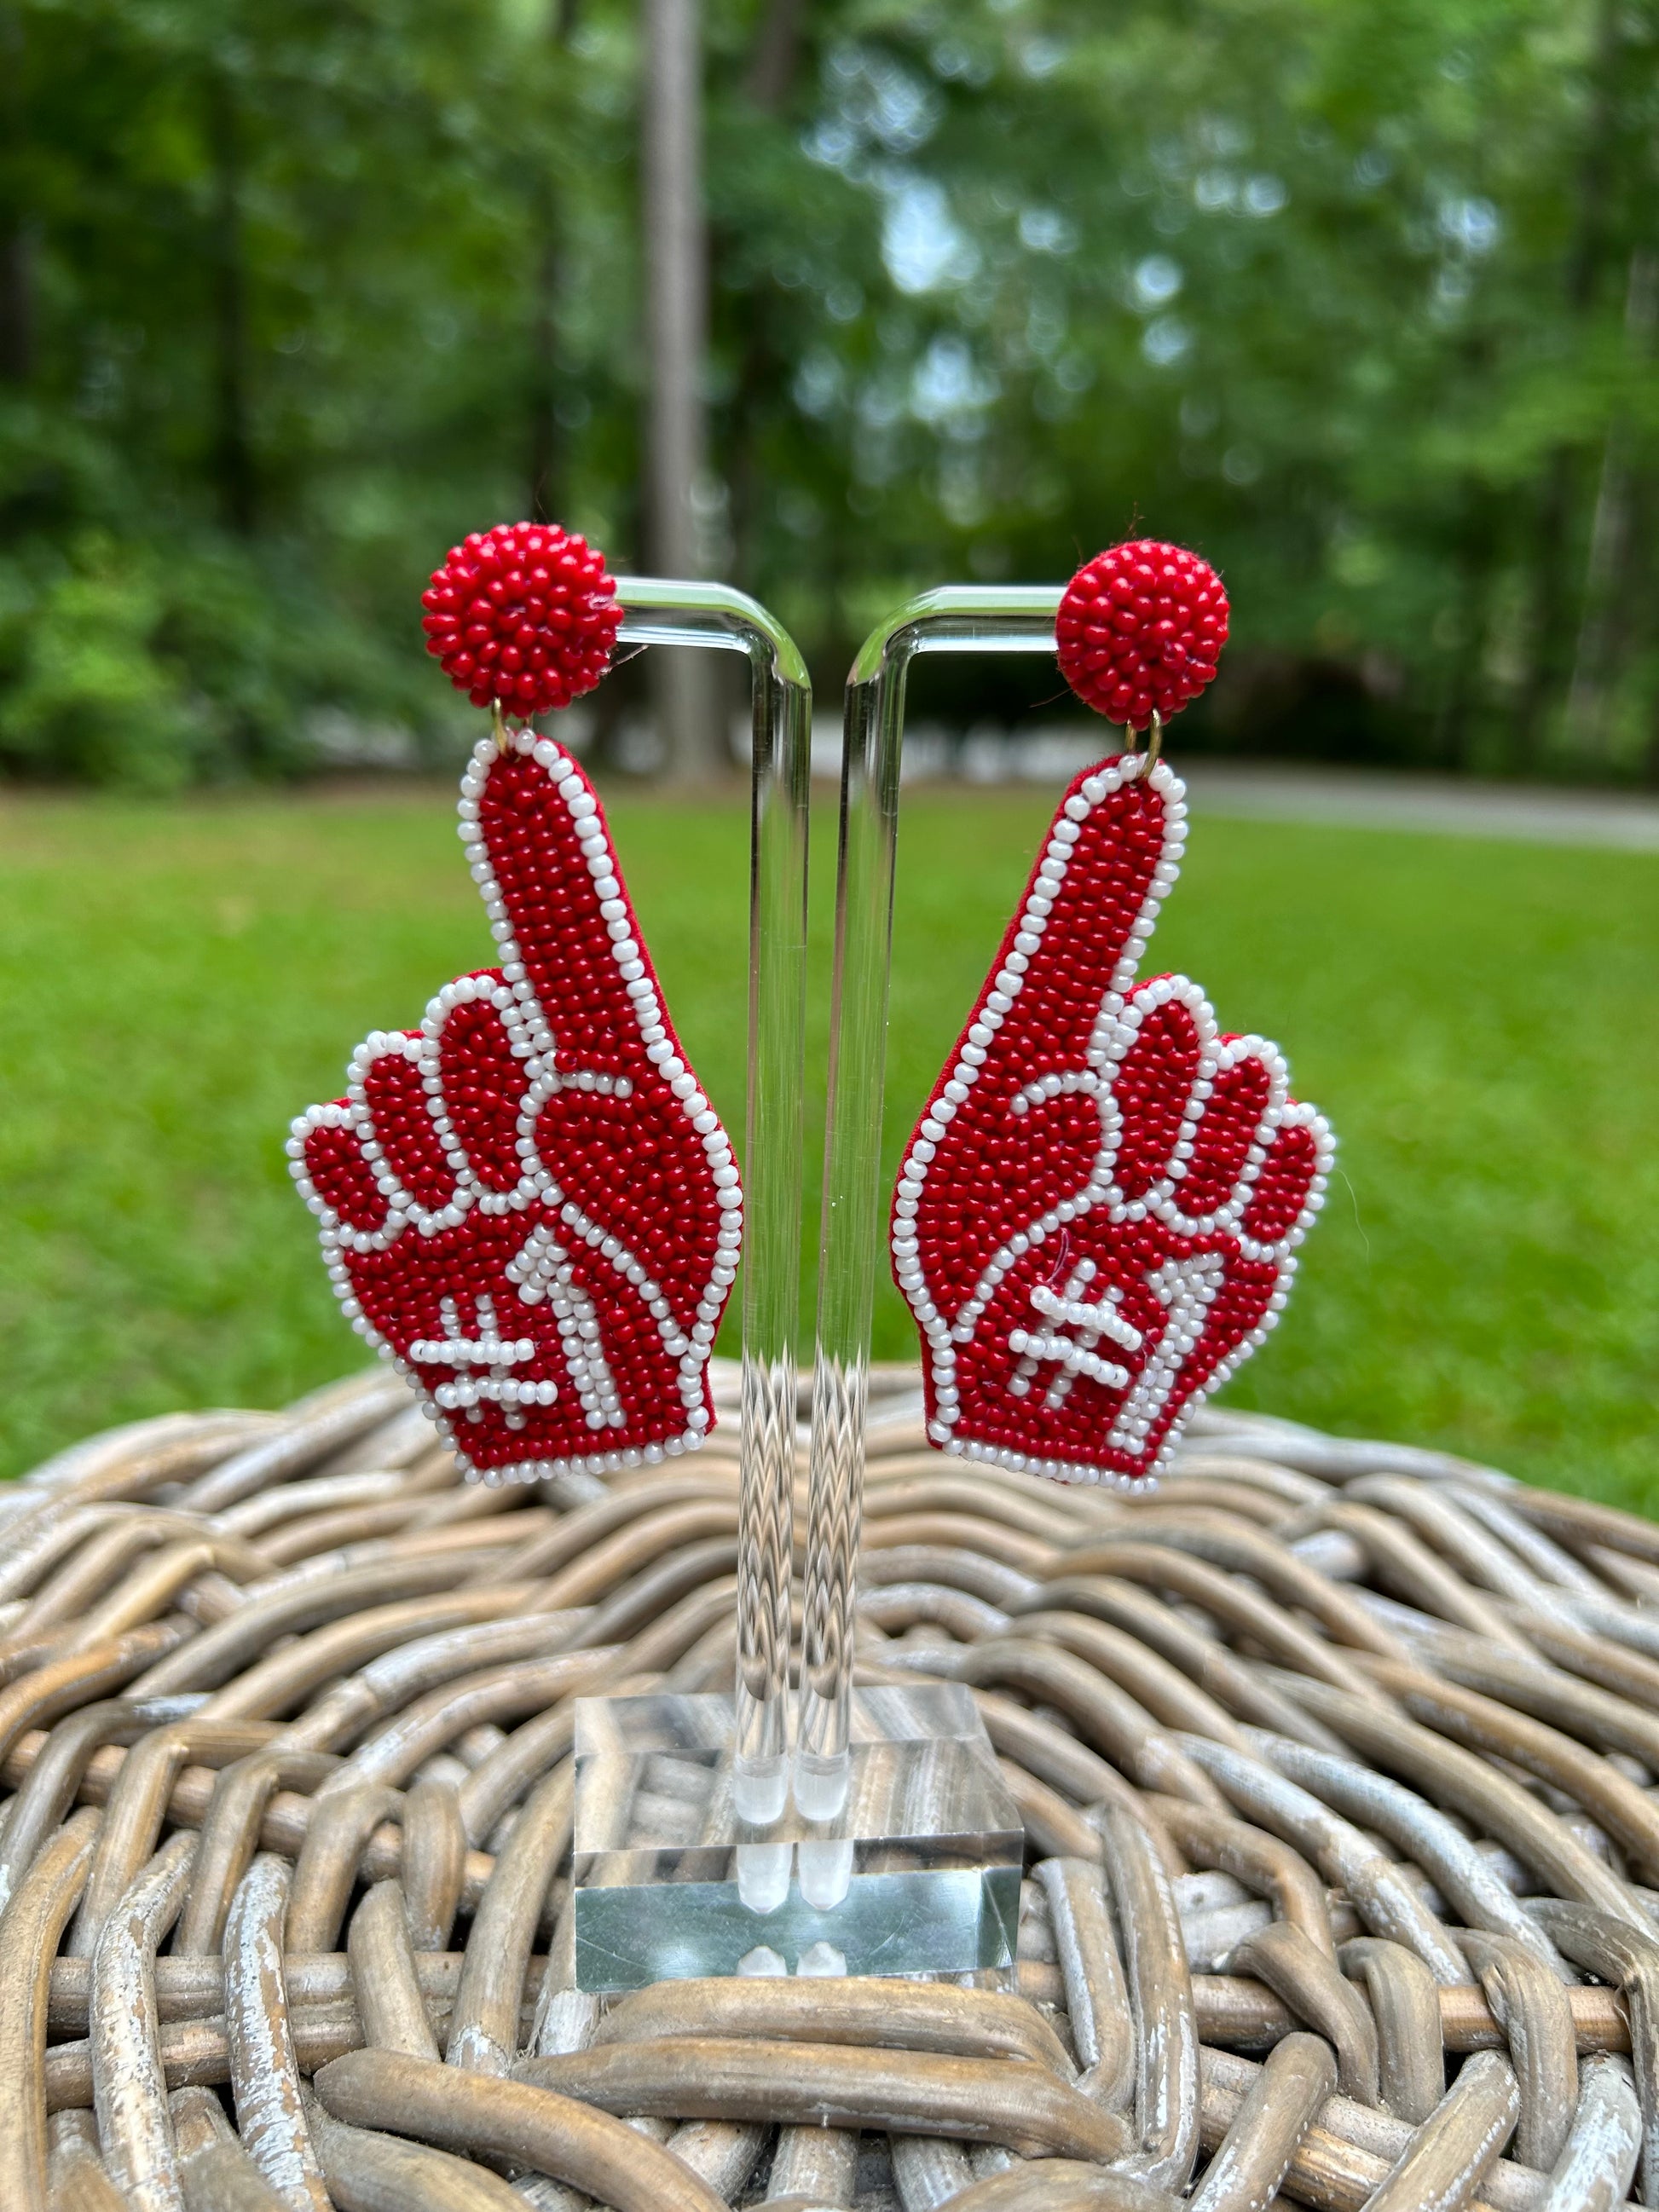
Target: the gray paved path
(1551, 815)
(1048, 755)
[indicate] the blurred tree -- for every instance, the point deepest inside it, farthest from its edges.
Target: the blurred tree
(684, 684)
(1360, 300)
(16, 235)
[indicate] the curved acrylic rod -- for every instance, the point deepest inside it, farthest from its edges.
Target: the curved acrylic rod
(659, 610)
(957, 618)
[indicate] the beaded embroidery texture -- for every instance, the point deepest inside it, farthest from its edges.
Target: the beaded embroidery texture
(1097, 1214)
(528, 1205)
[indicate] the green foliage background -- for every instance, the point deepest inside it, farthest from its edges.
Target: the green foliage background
(1360, 299)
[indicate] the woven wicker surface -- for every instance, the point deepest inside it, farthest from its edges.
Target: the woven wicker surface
(1337, 1763)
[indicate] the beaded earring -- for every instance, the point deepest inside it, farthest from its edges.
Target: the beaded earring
(1097, 1214)
(527, 1205)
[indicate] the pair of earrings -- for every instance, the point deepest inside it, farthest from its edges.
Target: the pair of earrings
(530, 1205)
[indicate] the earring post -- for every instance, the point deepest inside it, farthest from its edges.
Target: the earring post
(917, 1870)
(658, 610)
(956, 618)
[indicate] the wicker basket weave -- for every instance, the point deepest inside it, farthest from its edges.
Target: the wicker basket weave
(1337, 1763)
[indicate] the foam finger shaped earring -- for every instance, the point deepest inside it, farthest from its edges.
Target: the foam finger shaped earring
(1097, 1214)
(527, 1204)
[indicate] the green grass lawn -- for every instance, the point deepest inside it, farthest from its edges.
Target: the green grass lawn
(1479, 1020)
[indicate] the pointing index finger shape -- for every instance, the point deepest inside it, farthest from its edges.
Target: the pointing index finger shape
(1019, 1083)
(562, 914)
(530, 1205)
(1088, 910)
(1096, 1216)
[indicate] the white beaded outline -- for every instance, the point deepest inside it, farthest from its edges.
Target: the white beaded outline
(513, 997)
(1122, 1009)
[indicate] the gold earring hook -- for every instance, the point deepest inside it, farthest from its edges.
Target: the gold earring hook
(1154, 737)
(498, 722)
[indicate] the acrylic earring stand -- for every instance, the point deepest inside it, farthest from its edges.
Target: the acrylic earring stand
(646, 1907)
(902, 1849)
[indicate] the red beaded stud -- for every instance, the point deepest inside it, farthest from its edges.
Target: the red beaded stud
(1140, 631)
(524, 614)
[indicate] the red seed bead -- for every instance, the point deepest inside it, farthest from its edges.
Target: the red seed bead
(1140, 631)
(530, 601)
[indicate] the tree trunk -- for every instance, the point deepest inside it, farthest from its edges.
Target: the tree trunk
(232, 451)
(777, 54)
(17, 230)
(773, 67)
(546, 489)
(1455, 737)
(685, 687)
(16, 301)
(547, 283)
(1595, 674)
(1549, 596)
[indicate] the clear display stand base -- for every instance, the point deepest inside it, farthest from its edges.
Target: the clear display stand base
(919, 1873)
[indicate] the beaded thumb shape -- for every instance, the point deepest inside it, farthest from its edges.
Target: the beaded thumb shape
(528, 1205)
(1098, 1214)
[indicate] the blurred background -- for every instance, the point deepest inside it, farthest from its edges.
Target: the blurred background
(835, 298)
(839, 299)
